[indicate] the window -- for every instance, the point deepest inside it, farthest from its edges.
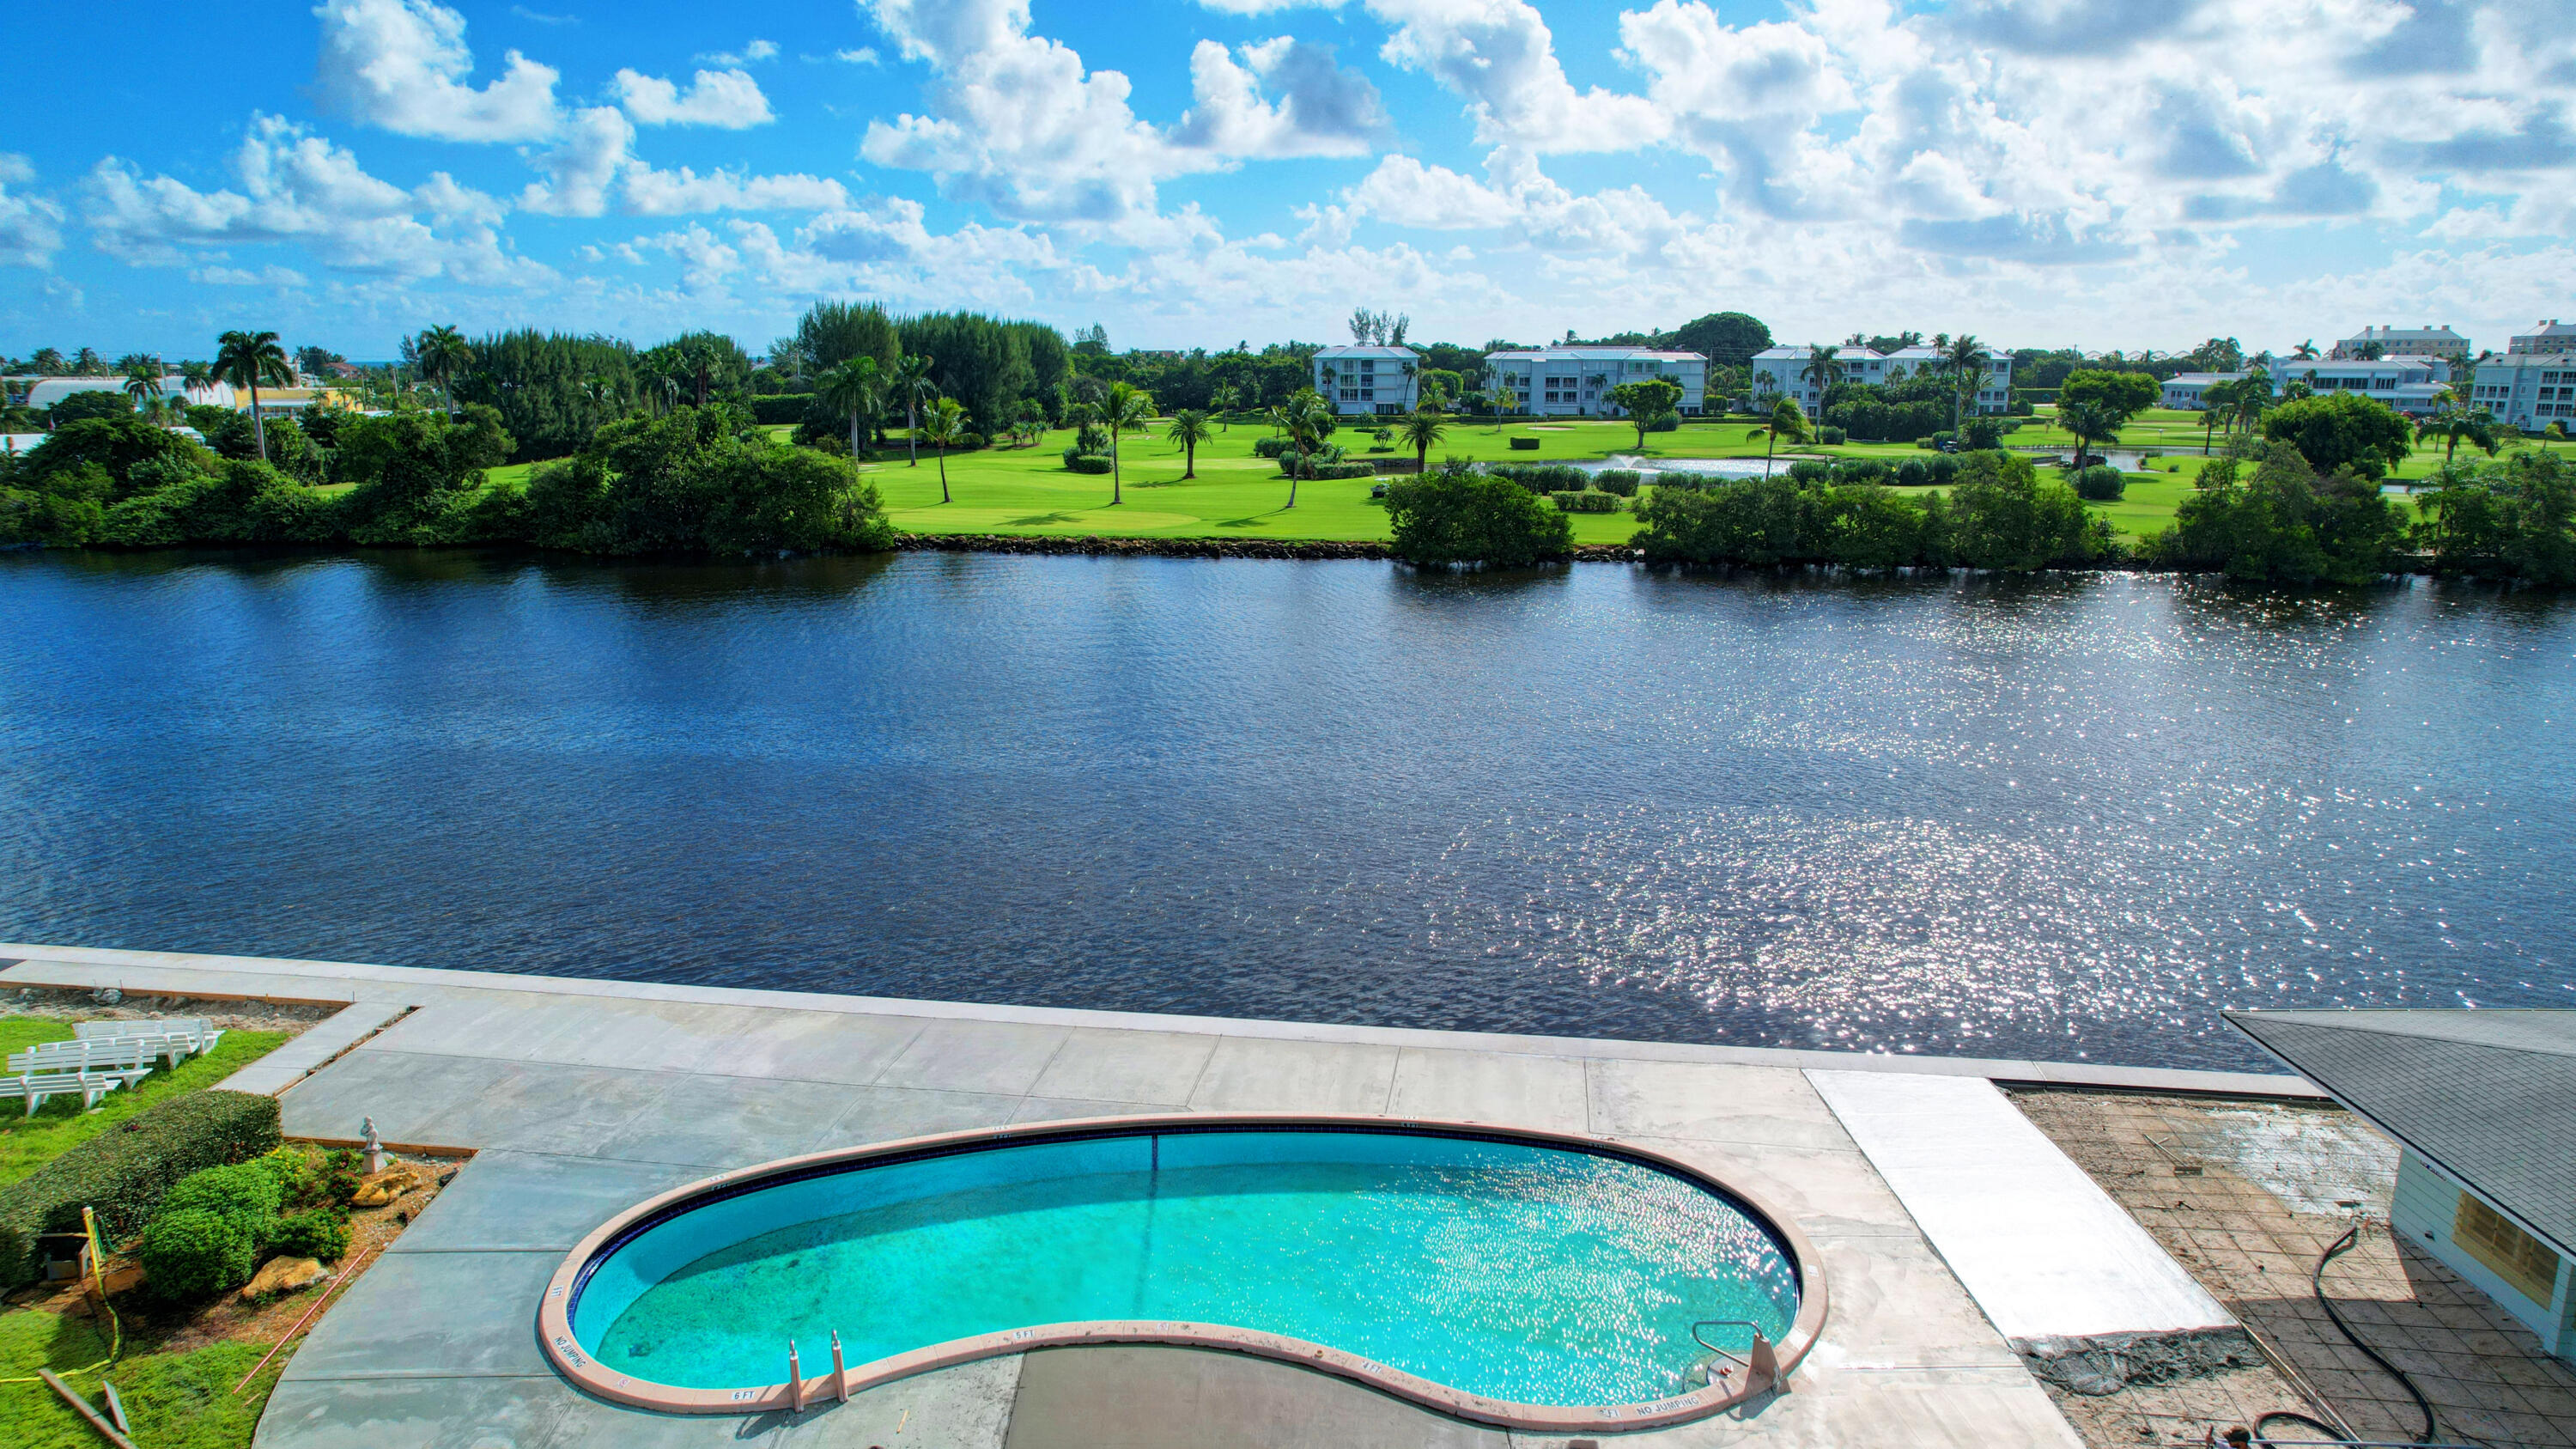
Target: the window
(2510, 1253)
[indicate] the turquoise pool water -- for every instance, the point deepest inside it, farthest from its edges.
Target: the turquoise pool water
(1516, 1271)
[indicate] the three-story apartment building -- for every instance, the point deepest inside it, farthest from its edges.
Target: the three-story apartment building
(1575, 382)
(1783, 372)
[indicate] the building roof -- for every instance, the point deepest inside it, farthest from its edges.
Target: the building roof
(2204, 379)
(2426, 333)
(1921, 352)
(2528, 359)
(2485, 1095)
(1402, 354)
(1593, 354)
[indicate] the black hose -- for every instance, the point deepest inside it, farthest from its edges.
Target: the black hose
(2263, 1435)
(2317, 1283)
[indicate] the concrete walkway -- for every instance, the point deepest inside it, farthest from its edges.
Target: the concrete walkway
(583, 1096)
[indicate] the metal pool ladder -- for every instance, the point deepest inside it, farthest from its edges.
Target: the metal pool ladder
(1761, 1362)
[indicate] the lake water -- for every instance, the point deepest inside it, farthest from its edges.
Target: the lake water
(2060, 818)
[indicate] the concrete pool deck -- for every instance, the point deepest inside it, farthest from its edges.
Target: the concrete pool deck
(581, 1097)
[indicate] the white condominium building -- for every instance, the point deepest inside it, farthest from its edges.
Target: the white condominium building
(1575, 382)
(1366, 380)
(1783, 372)
(2550, 336)
(2529, 390)
(2414, 386)
(2393, 341)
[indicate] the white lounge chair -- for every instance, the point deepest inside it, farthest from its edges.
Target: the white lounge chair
(35, 1087)
(101, 1053)
(201, 1034)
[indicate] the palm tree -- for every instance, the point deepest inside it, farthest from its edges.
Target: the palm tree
(442, 354)
(2217, 401)
(143, 384)
(2252, 397)
(1786, 417)
(1968, 360)
(1309, 420)
(2090, 422)
(1422, 427)
(1223, 402)
(851, 388)
(2451, 424)
(944, 425)
(1823, 369)
(913, 386)
(247, 359)
(2305, 351)
(196, 376)
(1189, 429)
(1129, 409)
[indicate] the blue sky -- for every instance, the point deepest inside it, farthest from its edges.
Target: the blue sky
(2103, 173)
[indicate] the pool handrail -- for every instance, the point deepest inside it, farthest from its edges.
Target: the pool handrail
(555, 1336)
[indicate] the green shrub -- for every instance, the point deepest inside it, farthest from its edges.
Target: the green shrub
(1622, 481)
(1358, 469)
(1079, 462)
(1664, 423)
(1913, 473)
(1831, 434)
(315, 1178)
(1809, 470)
(2100, 483)
(192, 1255)
(124, 1173)
(1270, 447)
(316, 1233)
(1527, 445)
(1978, 434)
(1543, 477)
(1458, 515)
(250, 1192)
(1936, 440)
(1586, 500)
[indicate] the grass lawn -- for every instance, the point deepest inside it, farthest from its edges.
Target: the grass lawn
(27, 1143)
(1239, 495)
(176, 1400)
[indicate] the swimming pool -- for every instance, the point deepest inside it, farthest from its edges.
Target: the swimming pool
(1532, 1279)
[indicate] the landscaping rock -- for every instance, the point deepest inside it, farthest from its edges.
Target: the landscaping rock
(384, 1187)
(282, 1275)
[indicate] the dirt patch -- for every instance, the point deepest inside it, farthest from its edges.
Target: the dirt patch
(2246, 1195)
(108, 1004)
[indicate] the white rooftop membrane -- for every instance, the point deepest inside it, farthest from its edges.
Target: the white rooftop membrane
(2041, 1249)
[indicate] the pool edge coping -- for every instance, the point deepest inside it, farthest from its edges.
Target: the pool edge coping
(565, 1355)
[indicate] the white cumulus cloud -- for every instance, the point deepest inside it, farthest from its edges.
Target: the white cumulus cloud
(729, 99)
(30, 226)
(403, 65)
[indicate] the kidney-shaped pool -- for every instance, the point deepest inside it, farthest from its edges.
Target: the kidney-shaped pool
(1532, 1279)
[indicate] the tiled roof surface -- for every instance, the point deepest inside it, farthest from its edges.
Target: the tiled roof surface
(2490, 1095)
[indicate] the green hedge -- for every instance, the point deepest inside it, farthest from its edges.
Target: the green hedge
(1543, 477)
(1586, 500)
(1526, 444)
(1269, 447)
(1085, 463)
(1622, 481)
(781, 407)
(1360, 469)
(123, 1173)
